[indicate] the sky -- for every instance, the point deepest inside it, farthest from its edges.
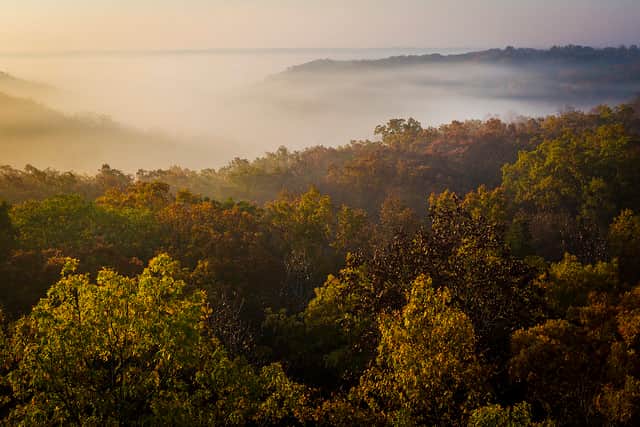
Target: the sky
(72, 25)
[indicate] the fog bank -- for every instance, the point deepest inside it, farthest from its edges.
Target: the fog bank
(217, 105)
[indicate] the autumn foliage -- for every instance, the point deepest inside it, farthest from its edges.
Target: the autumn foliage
(481, 273)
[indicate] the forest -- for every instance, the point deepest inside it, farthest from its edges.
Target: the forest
(479, 273)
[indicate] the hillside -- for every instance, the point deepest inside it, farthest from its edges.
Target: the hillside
(14, 86)
(31, 133)
(405, 160)
(566, 55)
(503, 79)
(512, 301)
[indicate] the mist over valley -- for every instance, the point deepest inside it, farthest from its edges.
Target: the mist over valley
(201, 109)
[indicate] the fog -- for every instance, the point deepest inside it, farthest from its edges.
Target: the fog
(212, 106)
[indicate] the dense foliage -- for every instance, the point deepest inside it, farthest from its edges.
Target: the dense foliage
(481, 273)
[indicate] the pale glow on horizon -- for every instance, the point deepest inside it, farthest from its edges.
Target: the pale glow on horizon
(67, 25)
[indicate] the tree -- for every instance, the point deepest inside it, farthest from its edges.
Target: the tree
(624, 244)
(99, 234)
(558, 364)
(426, 370)
(569, 283)
(619, 397)
(307, 225)
(352, 230)
(143, 195)
(105, 352)
(398, 129)
(518, 415)
(576, 183)
(135, 351)
(331, 342)
(109, 178)
(62, 222)
(468, 255)
(395, 218)
(7, 232)
(233, 253)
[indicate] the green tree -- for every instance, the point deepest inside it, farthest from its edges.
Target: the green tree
(307, 225)
(518, 415)
(569, 283)
(135, 351)
(426, 371)
(467, 254)
(62, 222)
(234, 256)
(144, 195)
(7, 232)
(574, 185)
(330, 343)
(104, 352)
(100, 235)
(352, 230)
(619, 397)
(624, 244)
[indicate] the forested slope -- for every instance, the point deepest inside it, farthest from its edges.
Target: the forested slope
(480, 273)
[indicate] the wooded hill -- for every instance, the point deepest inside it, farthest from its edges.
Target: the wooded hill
(481, 273)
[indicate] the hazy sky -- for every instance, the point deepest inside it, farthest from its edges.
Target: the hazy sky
(43, 25)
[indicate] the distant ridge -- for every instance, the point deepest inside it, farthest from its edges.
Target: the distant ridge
(24, 88)
(31, 133)
(571, 54)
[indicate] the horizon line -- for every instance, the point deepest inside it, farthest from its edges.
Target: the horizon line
(244, 50)
(283, 50)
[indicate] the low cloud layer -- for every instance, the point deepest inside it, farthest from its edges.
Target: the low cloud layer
(202, 110)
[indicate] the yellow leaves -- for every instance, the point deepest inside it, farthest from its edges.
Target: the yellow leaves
(570, 283)
(628, 318)
(116, 329)
(70, 266)
(518, 415)
(425, 358)
(586, 175)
